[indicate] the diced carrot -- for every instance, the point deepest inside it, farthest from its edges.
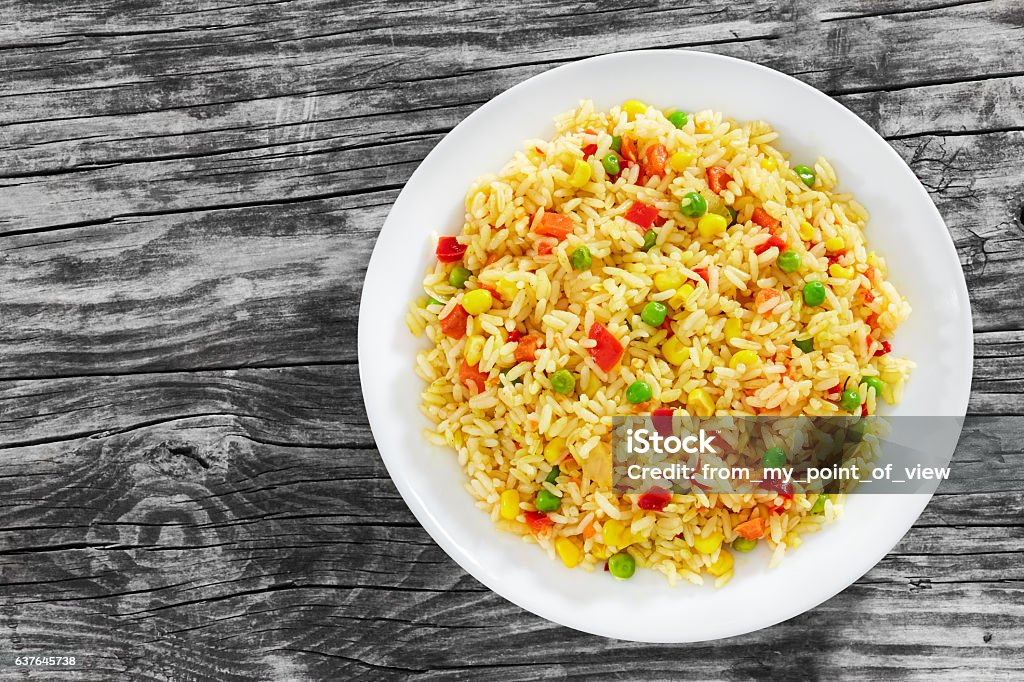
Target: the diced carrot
(554, 225)
(472, 377)
(629, 150)
(765, 296)
(872, 320)
(526, 350)
(545, 245)
(589, 531)
(656, 156)
(718, 179)
(761, 217)
(867, 295)
(752, 529)
(454, 323)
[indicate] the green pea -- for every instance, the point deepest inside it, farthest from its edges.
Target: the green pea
(819, 505)
(850, 400)
(650, 239)
(639, 392)
(774, 458)
(547, 501)
(563, 381)
(875, 383)
(805, 174)
(611, 164)
(581, 258)
(434, 301)
(622, 565)
(654, 313)
(806, 345)
(553, 474)
(458, 276)
(693, 205)
(678, 118)
(789, 261)
(743, 545)
(617, 144)
(814, 293)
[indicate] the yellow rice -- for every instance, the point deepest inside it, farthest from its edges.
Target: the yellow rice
(500, 433)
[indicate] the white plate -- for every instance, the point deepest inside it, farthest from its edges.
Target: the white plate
(905, 227)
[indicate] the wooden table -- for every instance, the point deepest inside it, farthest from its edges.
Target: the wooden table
(191, 191)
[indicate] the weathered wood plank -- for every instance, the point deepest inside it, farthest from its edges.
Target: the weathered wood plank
(215, 289)
(265, 545)
(222, 288)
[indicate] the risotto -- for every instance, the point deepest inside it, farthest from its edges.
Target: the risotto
(648, 261)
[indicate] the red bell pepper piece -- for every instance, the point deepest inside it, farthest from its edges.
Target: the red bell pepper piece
(703, 274)
(472, 377)
(537, 521)
(554, 225)
(654, 499)
(761, 217)
(589, 151)
(515, 335)
(607, 351)
(718, 179)
(454, 324)
(661, 418)
(777, 242)
(641, 214)
(884, 350)
(545, 245)
(449, 250)
(783, 488)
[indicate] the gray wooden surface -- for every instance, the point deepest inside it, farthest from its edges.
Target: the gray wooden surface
(190, 194)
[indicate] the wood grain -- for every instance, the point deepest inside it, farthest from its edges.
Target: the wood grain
(190, 193)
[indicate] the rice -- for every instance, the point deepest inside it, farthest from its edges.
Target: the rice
(510, 434)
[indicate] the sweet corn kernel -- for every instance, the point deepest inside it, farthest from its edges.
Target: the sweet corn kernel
(806, 231)
(747, 358)
(599, 552)
(769, 163)
(873, 260)
(616, 534)
(580, 173)
(674, 351)
(733, 328)
(474, 349)
(477, 301)
(668, 279)
(509, 505)
(711, 224)
(793, 540)
(723, 564)
(700, 403)
(837, 270)
(835, 244)
(709, 544)
(506, 289)
(679, 300)
(680, 161)
(633, 108)
(554, 449)
(568, 551)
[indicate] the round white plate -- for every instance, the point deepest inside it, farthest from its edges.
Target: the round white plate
(905, 227)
